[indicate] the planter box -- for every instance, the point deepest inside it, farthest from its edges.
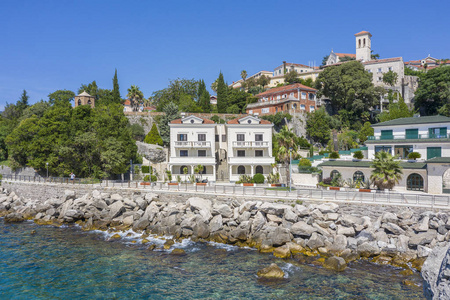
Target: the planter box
(173, 183)
(275, 184)
(248, 184)
(365, 190)
(334, 188)
(145, 183)
(200, 183)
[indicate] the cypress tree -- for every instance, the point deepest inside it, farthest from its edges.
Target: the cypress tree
(221, 95)
(203, 97)
(153, 136)
(116, 92)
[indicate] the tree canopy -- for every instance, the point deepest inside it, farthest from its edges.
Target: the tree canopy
(433, 91)
(390, 78)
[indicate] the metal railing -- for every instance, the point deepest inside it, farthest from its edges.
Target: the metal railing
(194, 144)
(262, 191)
(407, 137)
(250, 144)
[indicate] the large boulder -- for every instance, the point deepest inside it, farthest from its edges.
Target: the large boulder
(326, 208)
(335, 263)
(273, 208)
(436, 274)
(224, 210)
(216, 223)
(259, 221)
(69, 194)
(271, 272)
(368, 249)
(203, 206)
(393, 228)
(279, 235)
(116, 209)
(301, 228)
(422, 238)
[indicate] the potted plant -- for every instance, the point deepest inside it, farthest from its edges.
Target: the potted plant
(414, 155)
(258, 178)
(334, 155)
(273, 179)
(358, 155)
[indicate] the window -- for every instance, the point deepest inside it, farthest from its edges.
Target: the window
(182, 169)
(89, 102)
(412, 133)
(302, 106)
(311, 108)
(437, 133)
(379, 70)
(259, 170)
(241, 153)
(224, 138)
(414, 182)
(311, 96)
(433, 152)
(265, 110)
(217, 138)
(182, 137)
(380, 78)
(258, 137)
(259, 153)
(358, 176)
(295, 105)
(390, 68)
(291, 94)
(201, 137)
(241, 170)
(403, 151)
(370, 71)
(79, 102)
(183, 153)
(334, 174)
(386, 135)
(240, 137)
(278, 97)
(303, 95)
(285, 96)
(204, 170)
(383, 148)
(201, 153)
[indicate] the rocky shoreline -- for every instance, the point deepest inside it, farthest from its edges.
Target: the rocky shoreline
(325, 234)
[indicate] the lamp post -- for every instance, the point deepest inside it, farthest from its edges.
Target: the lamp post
(131, 170)
(47, 169)
(290, 168)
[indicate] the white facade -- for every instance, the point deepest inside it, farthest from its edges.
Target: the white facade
(249, 147)
(428, 136)
(192, 144)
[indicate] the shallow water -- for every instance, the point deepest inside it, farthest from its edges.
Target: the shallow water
(67, 263)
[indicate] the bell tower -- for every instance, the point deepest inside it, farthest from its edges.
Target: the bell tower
(84, 99)
(363, 46)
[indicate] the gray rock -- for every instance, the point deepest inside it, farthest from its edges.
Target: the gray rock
(326, 208)
(153, 153)
(273, 208)
(274, 218)
(315, 241)
(203, 206)
(116, 209)
(331, 216)
(216, 223)
(224, 210)
(244, 217)
(402, 243)
(368, 249)
(301, 210)
(393, 228)
(381, 236)
(116, 197)
(436, 274)
(347, 231)
(290, 216)
(423, 251)
(141, 203)
(247, 206)
(68, 194)
(259, 221)
(389, 217)
(406, 214)
(73, 214)
(422, 225)
(279, 235)
(339, 244)
(141, 224)
(349, 220)
(301, 228)
(442, 229)
(128, 221)
(422, 238)
(317, 214)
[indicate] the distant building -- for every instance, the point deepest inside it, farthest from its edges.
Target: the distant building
(213, 100)
(290, 98)
(426, 63)
(334, 58)
(84, 99)
(127, 106)
(238, 84)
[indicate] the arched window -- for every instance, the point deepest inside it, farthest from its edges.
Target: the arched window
(364, 42)
(204, 170)
(89, 101)
(295, 105)
(414, 182)
(359, 43)
(334, 174)
(259, 169)
(182, 169)
(79, 102)
(241, 170)
(358, 176)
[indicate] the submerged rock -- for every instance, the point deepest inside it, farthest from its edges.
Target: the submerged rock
(335, 263)
(272, 272)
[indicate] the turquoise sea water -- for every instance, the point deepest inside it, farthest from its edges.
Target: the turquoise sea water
(67, 263)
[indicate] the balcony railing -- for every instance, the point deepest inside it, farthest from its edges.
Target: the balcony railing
(250, 144)
(408, 137)
(194, 144)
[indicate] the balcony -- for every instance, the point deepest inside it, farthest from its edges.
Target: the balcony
(193, 160)
(408, 137)
(251, 160)
(195, 144)
(252, 144)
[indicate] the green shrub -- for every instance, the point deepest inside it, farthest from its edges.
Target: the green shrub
(218, 119)
(145, 169)
(273, 178)
(414, 155)
(245, 179)
(304, 162)
(358, 155)
(334, 155)
(147, 178)
(258, 178)
(153, 136)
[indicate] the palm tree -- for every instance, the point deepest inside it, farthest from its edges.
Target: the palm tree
(386, 171)
(287, 146)
(135, 95)
(243, 76)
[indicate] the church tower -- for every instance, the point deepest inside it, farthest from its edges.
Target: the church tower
(84, 99)
(363, 45)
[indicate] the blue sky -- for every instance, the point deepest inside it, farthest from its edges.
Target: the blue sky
(51, 45)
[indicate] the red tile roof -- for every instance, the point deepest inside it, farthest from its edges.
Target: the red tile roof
(362, 32)
(345, 54)
(236, 121)
(384, 60)
(127, 102)
(205, 121)
(285, 89)
(296, 65)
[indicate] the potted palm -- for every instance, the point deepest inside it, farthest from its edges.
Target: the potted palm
(358, 155)
(413, 156)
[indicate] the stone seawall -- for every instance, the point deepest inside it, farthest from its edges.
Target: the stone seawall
(329, 234)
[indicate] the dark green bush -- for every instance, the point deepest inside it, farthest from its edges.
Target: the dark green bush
(153, 136)
(334, 155)
(414, 155)
(145, 169)
(304, 162)
(258, 178)
(358, 154)
(147, 178)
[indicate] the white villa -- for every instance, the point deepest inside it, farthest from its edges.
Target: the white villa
(226, 151)
(428, 136)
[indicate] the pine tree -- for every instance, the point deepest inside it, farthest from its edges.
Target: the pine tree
(171, 113)
(23, 101)
(221, 95)
(116, 91)
(153, 136)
